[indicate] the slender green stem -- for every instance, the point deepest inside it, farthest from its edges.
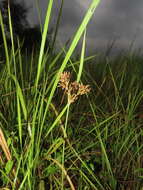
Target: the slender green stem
(65, 136)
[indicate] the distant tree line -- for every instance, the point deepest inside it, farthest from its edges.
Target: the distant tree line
(29, 36)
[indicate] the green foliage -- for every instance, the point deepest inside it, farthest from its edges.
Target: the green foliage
(93, 143)
(8, 166)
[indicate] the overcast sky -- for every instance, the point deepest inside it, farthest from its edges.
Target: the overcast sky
(113, 19)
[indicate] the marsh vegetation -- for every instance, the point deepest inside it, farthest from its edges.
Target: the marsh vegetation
(66, 122)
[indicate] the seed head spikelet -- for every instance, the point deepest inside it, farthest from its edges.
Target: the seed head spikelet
(72, 89)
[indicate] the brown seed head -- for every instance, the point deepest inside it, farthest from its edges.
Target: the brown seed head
(64, 80)
(72, 89)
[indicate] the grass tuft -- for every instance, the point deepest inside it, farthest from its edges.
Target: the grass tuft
(53, 137)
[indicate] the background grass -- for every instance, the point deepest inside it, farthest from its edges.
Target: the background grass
(94, 143)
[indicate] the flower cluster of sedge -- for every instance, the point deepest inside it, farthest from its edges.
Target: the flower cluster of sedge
(72, 89)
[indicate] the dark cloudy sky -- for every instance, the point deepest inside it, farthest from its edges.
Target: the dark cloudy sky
(114, 19)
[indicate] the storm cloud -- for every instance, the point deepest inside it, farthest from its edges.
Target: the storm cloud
(113, 20)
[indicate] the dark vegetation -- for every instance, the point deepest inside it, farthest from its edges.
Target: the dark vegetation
(29, 37)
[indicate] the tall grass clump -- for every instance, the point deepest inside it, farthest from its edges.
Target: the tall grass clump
(33, 150)
(69, 123)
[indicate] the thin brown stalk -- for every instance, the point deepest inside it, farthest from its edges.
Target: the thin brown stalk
(4, 146)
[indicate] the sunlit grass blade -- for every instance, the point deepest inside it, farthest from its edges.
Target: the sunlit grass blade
(20, 96)
(19, 120)
(56, 121)
(44, 36)
(82, 58)
(5, 44)
(12, 38)
(57, 25)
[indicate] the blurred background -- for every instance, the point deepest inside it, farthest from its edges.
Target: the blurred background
(118, 22)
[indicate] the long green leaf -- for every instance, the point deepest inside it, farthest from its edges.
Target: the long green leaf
(75, 41)
(44, 36)
(82, 58)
